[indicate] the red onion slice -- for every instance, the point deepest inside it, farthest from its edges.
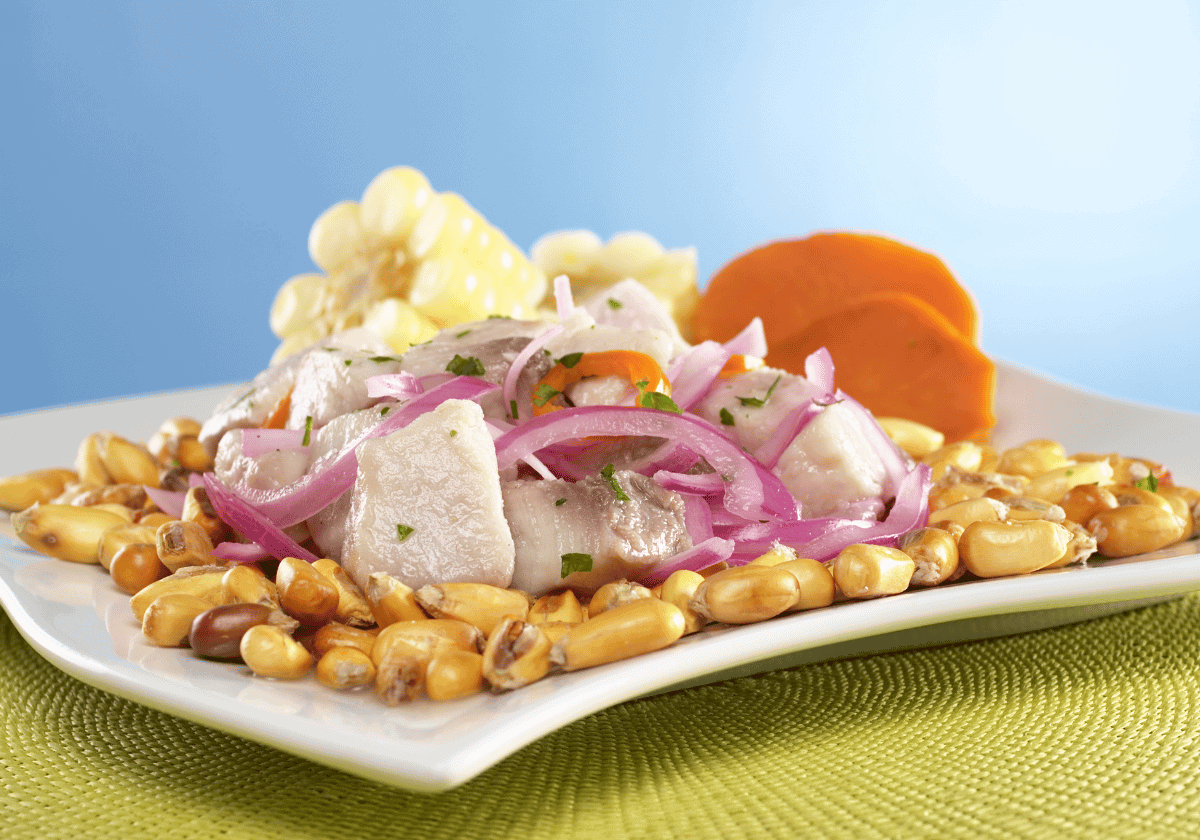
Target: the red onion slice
(402, 386)
(704, 484)
(252, 524)
(711, 551)
(562, 296)
(257, 442)
(169, 502)
(818, 369)
(239, 553)
(514, 370)
(783, 435)
(697, 518)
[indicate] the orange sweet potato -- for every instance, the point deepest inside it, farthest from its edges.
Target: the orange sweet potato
(900, 357)
(791, 283)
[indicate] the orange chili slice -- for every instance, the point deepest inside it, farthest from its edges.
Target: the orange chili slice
(739, 364)
(641, 370)
(277, 419)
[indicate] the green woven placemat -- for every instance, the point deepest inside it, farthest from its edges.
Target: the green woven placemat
(1087, 731)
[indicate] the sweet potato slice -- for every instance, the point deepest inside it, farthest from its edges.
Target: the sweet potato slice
(900, 357)
(791, 283)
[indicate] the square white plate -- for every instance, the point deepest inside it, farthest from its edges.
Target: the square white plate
(76, 618)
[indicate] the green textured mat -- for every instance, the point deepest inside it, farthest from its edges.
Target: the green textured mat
(1091, 730)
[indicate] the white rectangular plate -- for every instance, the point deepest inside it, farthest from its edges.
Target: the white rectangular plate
(77, 619)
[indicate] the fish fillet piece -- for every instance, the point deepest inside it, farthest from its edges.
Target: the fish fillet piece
(332, 381)
(268, 471)
(426, 505)
(623, 538)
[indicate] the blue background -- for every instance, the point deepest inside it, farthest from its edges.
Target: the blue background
(162, 163)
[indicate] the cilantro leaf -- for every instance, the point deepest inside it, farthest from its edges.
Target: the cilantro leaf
(380, 359)
(570, 360)
(658, 400)
(512, 409)
(755, 402)
(613, 303)
(1148, 483)
(559, 502)
(462, 334)
(618, 491)
(470, 366)
(544, 394)
(403, 531)
(726, 417)
(576, 562)
(307, 431)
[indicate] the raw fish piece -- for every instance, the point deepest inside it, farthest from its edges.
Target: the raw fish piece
(268, 471)
(637, 309)
(331, 381)
(426, 506)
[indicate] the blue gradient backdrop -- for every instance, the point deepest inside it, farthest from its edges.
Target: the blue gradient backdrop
(162, 162)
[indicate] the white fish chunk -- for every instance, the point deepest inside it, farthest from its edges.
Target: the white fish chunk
(754, 424)
(426, 505)
(623, 538)
(630, 305)
(331, 381)
(269, 471)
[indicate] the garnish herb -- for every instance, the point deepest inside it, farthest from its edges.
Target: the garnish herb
(348, 362)
(559, 502)
(658, 400)
(454, 433)
(726, 417)
(462, 334)
(403, 531)
(613, 303)
(544, 394)
(642, 384)
(505, 317)
(755, 402)
(470, 366)
(607, 475)
(512, 409)
(1148, 483)
(570, 360)
(385, 411)
(307, 431)
(381, 359)
(576, 562)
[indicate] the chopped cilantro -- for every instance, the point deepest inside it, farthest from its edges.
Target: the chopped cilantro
(544, 394)
(607, 475)
(385, 411)
(755, 402)
(403, 531)
(576, 562)
(494, 316)
(570, 360)
(348, 362)
(660, 401)
(559, 502)
(1148, 483)
(613, 303)
(380, 359)
(470, 366)
(307, 431)
(726, 417)
(462, 334)
(642, 384)
(512, 409)
(454, 433)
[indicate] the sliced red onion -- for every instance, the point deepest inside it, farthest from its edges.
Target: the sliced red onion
(315, 491)
(895, 462)
(711, 551)
(402, 386)
(782, 436)
(195, 480)
(432, 380)
(752, 341)
(693, 372)
(252, 524)
(751, 491)
(704, 484)
(562, 296)
(818, 369)
(257, 442)
(169, 502)
(697, 518)
(514, 370)
(239, 553)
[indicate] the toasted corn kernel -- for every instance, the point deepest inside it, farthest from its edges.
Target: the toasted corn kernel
(201, 581)
(352, 605)
(459, 634)
(934, 553)
(18, 492)
(64, 531)
(555, 630)
(192, 455)
(217, 632)
(126, 462)
(1054, 484)
(334, 634)
(180, 427)
(453, 673)
(136, 566)
(1085, 501)
(391, 600)
(996, 549)
(305, 594)
(479, 604)
(88, 463)
(868, 571)
(1128, 470)
(1135, 529)
(964, 455)
(941, 498)
(709, 571)
(120, 510)
(153, 518)
(270, 652)
(916, 439)
(114, 540)
(644, 625)
(1139, 496)
(745, 594)
(614, 594)
(344, 667)
(982, 509)
(248, 585)
(989, 458)
(1023, 507)
(401, 665)
(1080, 548)
(1033, 458)
(678, 589)
(778, 553)
(517, 654)
(558, 607)
(816, 583)
(183, 544)
(197, 508)
(168, 619)
(1179, 503)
